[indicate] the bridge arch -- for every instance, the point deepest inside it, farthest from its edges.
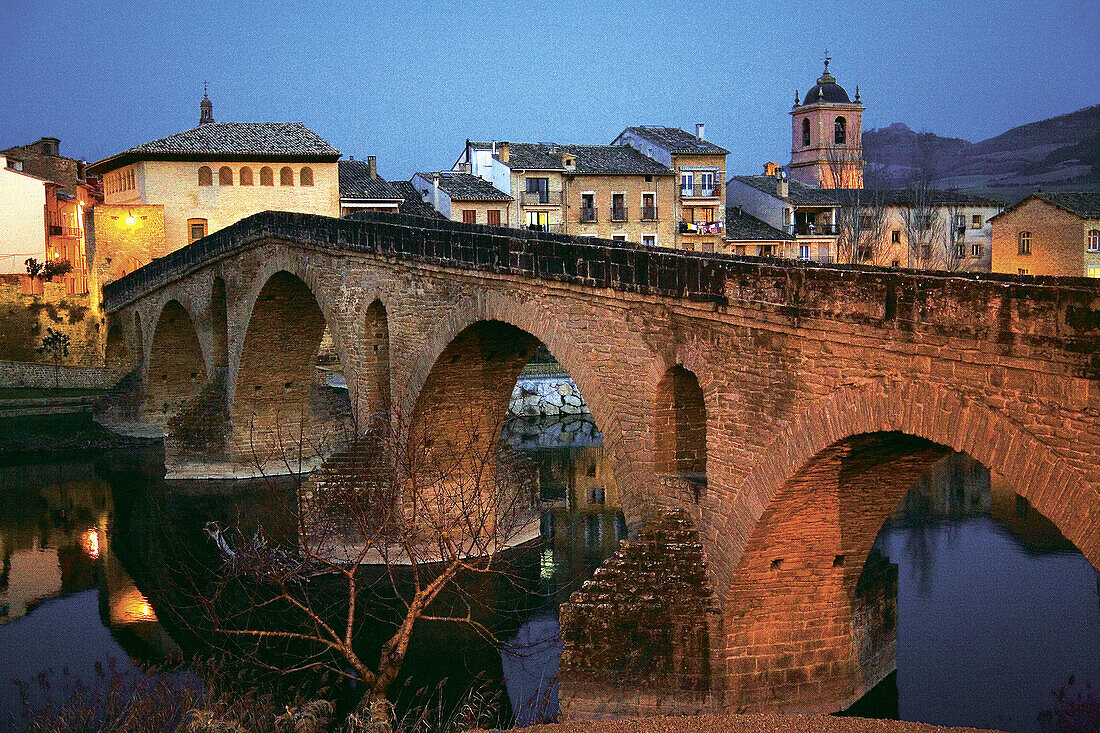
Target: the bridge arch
(176, 369)
(680, 426)
(282, 418)
(117, 352)
(533, 322)
(795, 602)
(219, 324)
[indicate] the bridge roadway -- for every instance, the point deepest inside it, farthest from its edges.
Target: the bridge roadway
(762, 417)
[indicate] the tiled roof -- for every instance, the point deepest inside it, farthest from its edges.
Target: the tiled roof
(798, 193)
(1085, 204)
(531, 156)
(612, 160)
(906, 196)
(743, 227)
(467, 187)
(356, 183)
(676, 140)
(229, 140)
(414, 204)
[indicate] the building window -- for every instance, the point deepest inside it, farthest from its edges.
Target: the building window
(1094, 240)
(618, 207)
(596, 496)
(619, 237)
(538, 221)
(246, 176)
(960, 221)
(493, 217)
(895, 263)
(960, 250)
(1023, 239)
(976, 221)
(975, 250)
(1023, 271)
(469, 216)
(803, 251)
(708, 247)
(225, 176)
(649, 240)
(206, 176)
(267, 176)
(840, 131)
(305, 177)
(805, 132)
(196, 229)
(1092, 272)
(895, 236)
(286, 176)
(539, 187)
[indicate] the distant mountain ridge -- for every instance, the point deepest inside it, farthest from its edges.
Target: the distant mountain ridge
(1057, 153)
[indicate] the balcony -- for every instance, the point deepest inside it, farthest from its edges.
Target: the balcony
(588, 215)
(812, 230)
(701, 191)
(618, 213)
(540, 198)
(649, 213)
(549, 228)
(702, 227)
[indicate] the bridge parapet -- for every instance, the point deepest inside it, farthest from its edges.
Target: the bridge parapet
(1005, 310)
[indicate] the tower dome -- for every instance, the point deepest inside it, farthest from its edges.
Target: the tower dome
(826, 90)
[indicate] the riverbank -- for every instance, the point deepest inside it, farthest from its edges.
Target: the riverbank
(747, 723)
(47, 436)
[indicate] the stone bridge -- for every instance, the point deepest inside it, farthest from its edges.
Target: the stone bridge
(762, 417)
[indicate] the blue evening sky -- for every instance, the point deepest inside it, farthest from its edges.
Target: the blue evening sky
(409, 82)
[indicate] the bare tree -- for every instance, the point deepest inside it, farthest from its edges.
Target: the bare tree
(398, 517)
(861, 214)
(924, 230)
(954, 236)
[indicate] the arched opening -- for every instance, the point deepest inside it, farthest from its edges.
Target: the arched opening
(246, 176)
(680, 426)
(225, 176)
(176, 370)
(267, 176)
(219, 324)
(285, 413)
(305, 177)
(840, 131)
(373, 388)
(831, 595)
(805, 132)
(116, 354)
(506, 427)
(286, 176)
(206, 176)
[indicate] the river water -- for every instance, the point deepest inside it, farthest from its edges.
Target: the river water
(996, 610)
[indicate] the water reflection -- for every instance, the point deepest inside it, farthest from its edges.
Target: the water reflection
(988, 607)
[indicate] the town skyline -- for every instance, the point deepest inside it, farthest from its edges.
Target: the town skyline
(416, 91)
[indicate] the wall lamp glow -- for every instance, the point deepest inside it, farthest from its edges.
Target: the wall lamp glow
(131, 219)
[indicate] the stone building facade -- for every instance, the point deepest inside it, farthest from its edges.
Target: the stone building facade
(1049, 234)
(465, 197)
(218, 173)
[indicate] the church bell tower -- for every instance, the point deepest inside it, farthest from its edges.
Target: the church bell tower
(826, 140)
(206, 108)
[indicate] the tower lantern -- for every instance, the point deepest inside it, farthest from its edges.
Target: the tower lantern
(206, 108)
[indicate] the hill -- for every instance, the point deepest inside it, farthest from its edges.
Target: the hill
(1057, 153)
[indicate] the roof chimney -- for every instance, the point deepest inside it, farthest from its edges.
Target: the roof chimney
(700, 130)
(502, 151)
(372, 167)
(770, 168)
(435, 190)
(782, 185)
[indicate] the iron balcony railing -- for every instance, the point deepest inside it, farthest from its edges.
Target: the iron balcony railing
(618, 213)
(810, 230)
(548, 228)
(540, 198)
(649, 213)
(698, 190)
(588, 214)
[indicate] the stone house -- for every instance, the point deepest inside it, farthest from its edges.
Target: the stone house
(465, 197)
(700, 169)
(1049, 234)
(807, 214)
(218, 173)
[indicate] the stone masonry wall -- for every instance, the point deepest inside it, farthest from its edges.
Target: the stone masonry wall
(25, 320)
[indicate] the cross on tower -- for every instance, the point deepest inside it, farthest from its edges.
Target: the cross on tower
(205, 83)
(827, 59)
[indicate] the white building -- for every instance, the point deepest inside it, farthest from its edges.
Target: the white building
(22, 219)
